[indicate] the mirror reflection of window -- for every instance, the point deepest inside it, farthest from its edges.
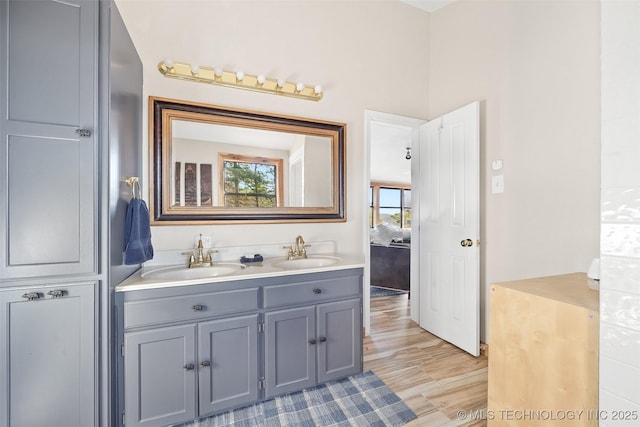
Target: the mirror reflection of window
(250, 182)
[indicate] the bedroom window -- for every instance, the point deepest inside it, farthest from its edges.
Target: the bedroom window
(250, 182)
(390, 203)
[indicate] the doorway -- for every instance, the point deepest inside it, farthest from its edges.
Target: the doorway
(392, 134)
(444, 275)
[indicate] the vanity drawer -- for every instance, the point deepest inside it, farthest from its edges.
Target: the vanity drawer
(189, 307)
(311, 292)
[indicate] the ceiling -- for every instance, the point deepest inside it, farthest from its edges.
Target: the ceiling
(428, 5)
(389, 144)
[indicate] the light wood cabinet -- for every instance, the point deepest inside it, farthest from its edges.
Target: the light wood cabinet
(543, 361)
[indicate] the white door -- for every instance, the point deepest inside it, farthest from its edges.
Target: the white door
(449, 227)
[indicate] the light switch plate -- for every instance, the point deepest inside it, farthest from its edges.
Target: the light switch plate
(496, 165)
(497, 184)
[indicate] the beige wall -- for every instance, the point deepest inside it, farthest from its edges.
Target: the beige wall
(534, 65)
(366, 55)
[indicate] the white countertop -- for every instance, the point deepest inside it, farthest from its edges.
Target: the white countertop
(251, 271)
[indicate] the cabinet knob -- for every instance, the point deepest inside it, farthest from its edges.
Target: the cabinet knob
(83, 133)
(189, 367)
(198, 307)
(322, 339)
(317, 291)
(205, 364)
(312, 342)
(58, 293)
(32, 296)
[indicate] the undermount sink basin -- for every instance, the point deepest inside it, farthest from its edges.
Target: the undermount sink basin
(184, 273)
(311, 262)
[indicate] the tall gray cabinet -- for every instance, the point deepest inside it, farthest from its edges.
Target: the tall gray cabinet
(58, 202)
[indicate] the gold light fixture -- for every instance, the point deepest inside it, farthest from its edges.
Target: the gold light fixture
(238, 79)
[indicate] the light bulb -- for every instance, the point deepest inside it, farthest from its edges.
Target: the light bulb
(299, 87)
(195, 69)
(239, 76)
(168, 62)
(317, 89)
(261, 79)
(217, 72)
(280, 83)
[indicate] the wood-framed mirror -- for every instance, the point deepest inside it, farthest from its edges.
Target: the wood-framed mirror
(212, 165)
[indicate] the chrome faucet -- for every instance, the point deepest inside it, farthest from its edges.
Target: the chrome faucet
(298, 250)
(199, 258)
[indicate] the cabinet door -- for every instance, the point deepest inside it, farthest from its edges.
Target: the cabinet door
(47, 356)
(159, 372)
(228, 363)
(339, 339)
(47, 180)
(290, 350)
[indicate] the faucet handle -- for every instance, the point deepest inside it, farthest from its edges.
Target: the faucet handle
(192, 258)
(290, 252)
(208, 257)
(303, 249)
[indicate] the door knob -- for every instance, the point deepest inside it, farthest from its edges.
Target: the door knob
(466, 242)
(205, 364)
(189, 367)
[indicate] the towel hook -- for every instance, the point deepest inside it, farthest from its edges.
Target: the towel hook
(133, 182)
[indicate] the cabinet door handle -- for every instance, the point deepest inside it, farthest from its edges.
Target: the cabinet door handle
(322, 339)
(198, 307)
(205, 364)
(32, 296)
(317, 291)
(189, 367)
(312, 342)
(83, 133)
(58, 293)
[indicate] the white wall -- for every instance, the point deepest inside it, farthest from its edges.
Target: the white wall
(366, 55)
(620, 214)
(534, 66)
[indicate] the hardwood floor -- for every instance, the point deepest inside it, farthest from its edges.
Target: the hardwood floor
(434, 378)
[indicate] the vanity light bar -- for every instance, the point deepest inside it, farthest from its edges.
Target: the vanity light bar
(260, 83)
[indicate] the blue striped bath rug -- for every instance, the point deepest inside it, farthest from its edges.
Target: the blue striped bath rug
(359, 400)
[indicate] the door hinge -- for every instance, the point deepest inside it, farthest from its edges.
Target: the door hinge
(123, 418)
(122, 350)
(261, 384)
(261, 326)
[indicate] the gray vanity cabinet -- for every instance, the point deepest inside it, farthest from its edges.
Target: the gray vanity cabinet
(290, 359)
(160, 374)
(189, 352)
(172, 377)
(47, 356)
(339, 334)
(197, 350)
(228, 363)
(317, 342)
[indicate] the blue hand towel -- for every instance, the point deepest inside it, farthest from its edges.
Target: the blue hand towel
(138, 247)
